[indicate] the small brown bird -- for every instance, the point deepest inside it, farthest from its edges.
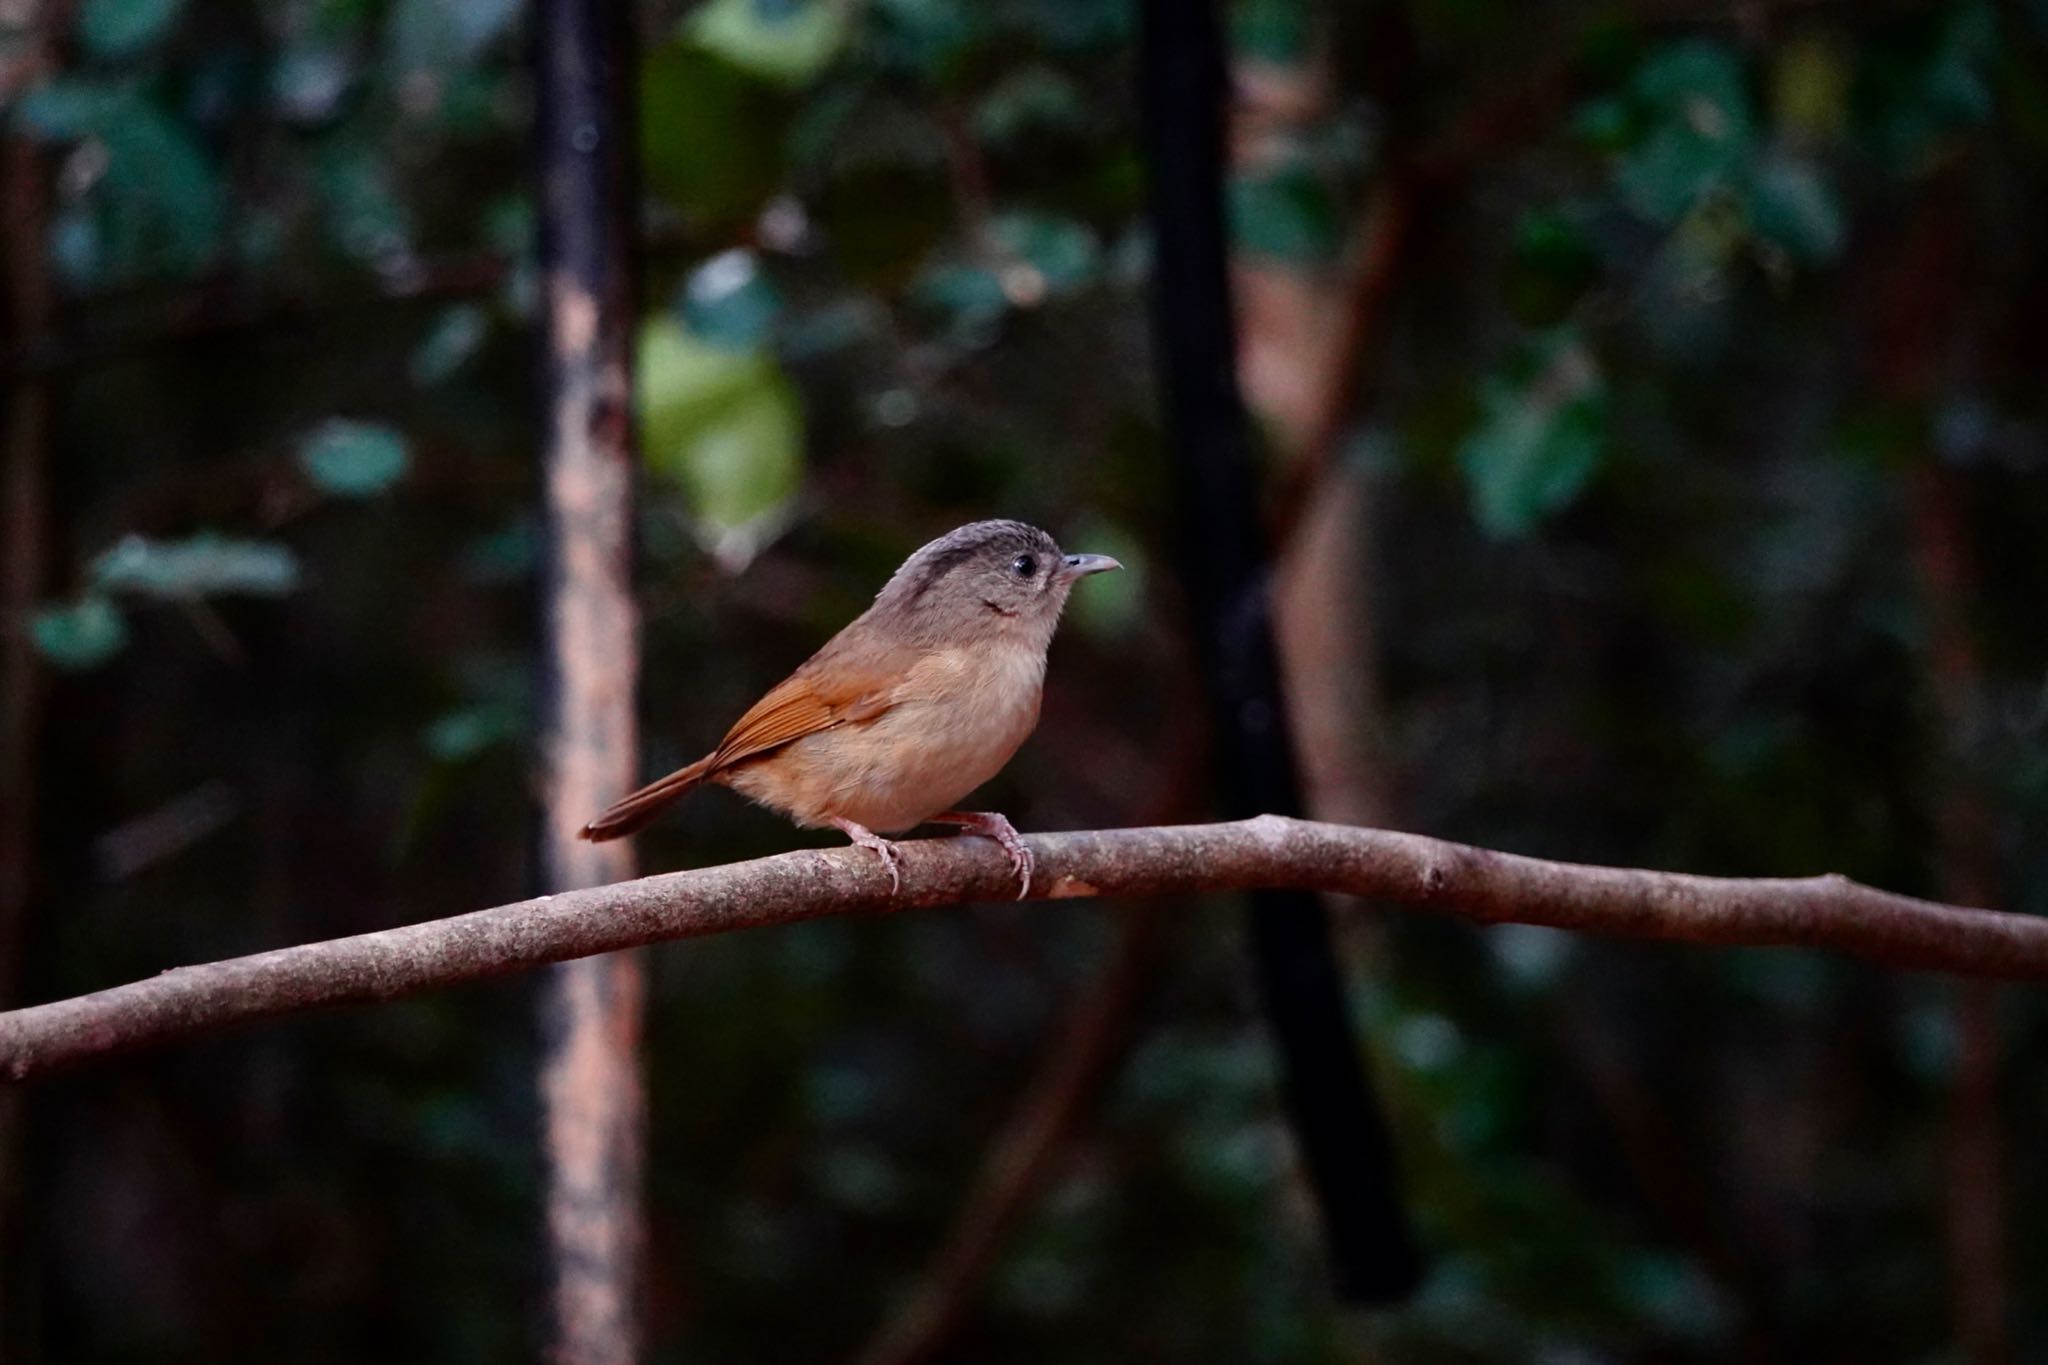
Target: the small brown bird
(917, 702)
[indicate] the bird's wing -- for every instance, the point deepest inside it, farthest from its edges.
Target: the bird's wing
(825, 693)
(845, 683)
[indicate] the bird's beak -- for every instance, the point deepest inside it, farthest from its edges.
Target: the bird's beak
(1080, 566)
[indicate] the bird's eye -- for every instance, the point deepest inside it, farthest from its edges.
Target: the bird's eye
(1024, 566)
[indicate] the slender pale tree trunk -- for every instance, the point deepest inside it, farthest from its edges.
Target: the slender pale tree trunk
(593, 1108)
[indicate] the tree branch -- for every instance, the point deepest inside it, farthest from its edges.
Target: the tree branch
(1829, 912)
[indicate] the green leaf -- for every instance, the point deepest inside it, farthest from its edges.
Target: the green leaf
(929, 37)
(1698, 134)
(463, 734)
(204, 565)
(786, 41)
(1793, 209)
(968, 297)
(1553, 264)
(1034, 99)
(120, 28)
(506, 555)
(1810, 89)
(1065, 253)
(724, 424)
(80, 636)
(165, 201)
(158, 206)
(456, 336)
(1080, 25)
(432, 37)
(725, 178)
(1289, 214)
(1539, 439)
(728, 302)
(308, 83)
(1275, 31)
(353, 459)
(365, 215)
(66, 108)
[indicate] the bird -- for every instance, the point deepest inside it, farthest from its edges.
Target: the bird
(916, 702)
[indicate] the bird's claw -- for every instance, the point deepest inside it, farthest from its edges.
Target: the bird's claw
(990, 825)
(885, 849)
(892, 860)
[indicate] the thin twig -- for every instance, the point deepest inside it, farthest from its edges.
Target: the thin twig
(1828, 912)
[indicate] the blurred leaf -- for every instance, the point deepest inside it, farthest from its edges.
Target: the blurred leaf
(1793, 209)
(724, 424)
(1034, 99)
(76, 248)
(1554, 263)
(1698, 130)
(506, 555)
(1275, 31)
(1064, 253)
(120, 28)
(687, 93)
(455, 336)
(728, 302)
(463, 734)
(1699, 82)
(433, 37)
(1810, 89)
(1080, 25)
(929, 37)
(835, 327)
(157, 205)
(1539, 438)
(1935, 84)
(365, 214)
(68, 108)
(1289, 214)
(1603, 122)
(969, 297)
(205, 565)
(353, 459)
(164, 198)
(308, 82)
(1958, 90)
(881, 222)
(788, 41)
(80, 636)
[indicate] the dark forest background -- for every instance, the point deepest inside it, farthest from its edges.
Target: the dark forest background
(1655, 455)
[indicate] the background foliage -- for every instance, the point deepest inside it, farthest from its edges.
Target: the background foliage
(1701, 426)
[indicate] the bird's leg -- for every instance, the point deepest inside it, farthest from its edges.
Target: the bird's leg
(989, 825)
(867, 838)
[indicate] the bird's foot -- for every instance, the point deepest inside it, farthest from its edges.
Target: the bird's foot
(883, 848)
(989, 825)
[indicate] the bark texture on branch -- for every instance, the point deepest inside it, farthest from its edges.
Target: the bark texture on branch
(1827, 912)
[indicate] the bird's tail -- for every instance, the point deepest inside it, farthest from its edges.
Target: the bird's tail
(630, 813)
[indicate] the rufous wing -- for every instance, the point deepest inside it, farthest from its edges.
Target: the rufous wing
(801, 705)
(828, 691)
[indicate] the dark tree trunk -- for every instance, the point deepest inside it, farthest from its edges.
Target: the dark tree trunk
(1337, 1121)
